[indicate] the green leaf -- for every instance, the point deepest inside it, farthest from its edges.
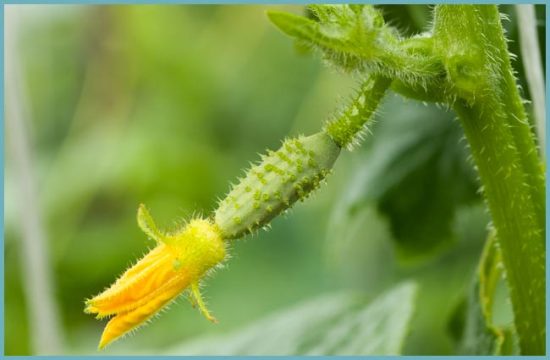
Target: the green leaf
(293, 25)
(355, 37)
(481, 335)
(343, 324)
(417, 174)
(334, 40)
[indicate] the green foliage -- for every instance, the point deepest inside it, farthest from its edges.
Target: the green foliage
(356, 38)
(361, 251)
(337, 324)
(417, 174)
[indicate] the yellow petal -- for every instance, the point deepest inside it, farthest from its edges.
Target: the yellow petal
(137, 285)
(127, 321)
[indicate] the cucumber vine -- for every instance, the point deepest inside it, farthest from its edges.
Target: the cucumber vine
(462, 62)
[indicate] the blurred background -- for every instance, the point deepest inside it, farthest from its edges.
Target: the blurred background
(108, 107)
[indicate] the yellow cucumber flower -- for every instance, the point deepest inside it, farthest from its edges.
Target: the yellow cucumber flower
(181, 259)
(178, 262)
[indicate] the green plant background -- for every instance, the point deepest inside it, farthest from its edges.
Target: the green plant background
(166, 105)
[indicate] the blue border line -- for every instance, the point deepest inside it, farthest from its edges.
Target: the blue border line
(2, 173)
(272, 357)
(546, 163)
(266, 2)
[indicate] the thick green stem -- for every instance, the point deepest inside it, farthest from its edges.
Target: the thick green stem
(514, 112)
(485, 96)
(519, 236)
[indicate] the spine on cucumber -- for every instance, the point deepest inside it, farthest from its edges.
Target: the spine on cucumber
(271, 187)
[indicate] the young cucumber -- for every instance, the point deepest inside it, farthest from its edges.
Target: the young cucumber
(269, 188)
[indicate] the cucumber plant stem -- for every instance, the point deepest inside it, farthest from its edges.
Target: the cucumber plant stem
(496, 127)
(518, 234)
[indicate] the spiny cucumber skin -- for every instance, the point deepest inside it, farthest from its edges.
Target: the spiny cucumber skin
(282, 178)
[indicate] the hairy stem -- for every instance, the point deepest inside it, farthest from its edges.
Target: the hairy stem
(518, 234)
(347, 129)
(487, 101)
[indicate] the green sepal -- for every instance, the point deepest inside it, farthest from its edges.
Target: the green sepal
(147, 224)
(356, 38)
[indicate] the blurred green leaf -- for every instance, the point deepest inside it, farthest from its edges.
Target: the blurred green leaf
(361, 255)
(328, 28)
(417, 174)
(360, 259)
(293, 25)
(340, 324)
